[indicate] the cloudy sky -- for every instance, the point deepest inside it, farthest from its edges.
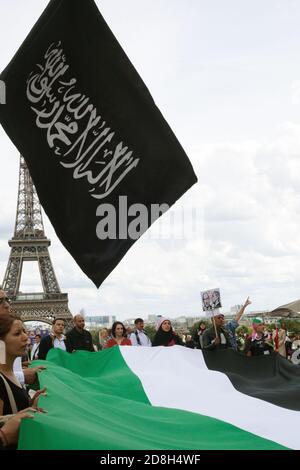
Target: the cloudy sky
(226, 76)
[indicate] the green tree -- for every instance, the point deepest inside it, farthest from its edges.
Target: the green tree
(193, 330)
(150, 330)
(243, 329)
(292, 325)
(95, 336)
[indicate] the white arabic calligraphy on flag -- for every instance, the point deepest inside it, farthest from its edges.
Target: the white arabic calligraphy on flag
(69, 118)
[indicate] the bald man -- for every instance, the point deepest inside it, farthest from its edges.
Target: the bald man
(78, 338)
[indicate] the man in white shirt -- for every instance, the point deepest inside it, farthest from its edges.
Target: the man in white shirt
(27, 375)
(139, 337)
(55, 340)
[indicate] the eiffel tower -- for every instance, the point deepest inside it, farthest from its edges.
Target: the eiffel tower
(30, 243)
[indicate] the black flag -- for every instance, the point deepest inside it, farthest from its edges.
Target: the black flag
(98, 149)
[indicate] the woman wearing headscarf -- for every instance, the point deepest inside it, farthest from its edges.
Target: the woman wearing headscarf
(256, 343)
(165, 335)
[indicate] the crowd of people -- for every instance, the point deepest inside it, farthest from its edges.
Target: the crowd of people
(15, 378)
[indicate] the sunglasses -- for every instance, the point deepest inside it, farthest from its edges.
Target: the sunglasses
(4, 299)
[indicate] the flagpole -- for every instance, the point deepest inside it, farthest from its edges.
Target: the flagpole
(213, 316)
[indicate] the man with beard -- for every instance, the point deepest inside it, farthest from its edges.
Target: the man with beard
(78, 338)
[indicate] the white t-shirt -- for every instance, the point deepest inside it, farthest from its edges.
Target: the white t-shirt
(223, 339)
(60, 343)
(18, 370)
(33, 351)
(144, 339)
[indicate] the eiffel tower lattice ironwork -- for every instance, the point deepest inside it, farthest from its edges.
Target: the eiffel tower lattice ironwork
(30, 243)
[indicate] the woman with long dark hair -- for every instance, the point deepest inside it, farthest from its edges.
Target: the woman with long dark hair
(119, 337)
(13, 397)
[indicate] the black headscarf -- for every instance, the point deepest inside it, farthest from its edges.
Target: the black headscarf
(163, 338)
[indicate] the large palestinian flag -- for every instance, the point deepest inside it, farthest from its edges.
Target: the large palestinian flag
(165, 398)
